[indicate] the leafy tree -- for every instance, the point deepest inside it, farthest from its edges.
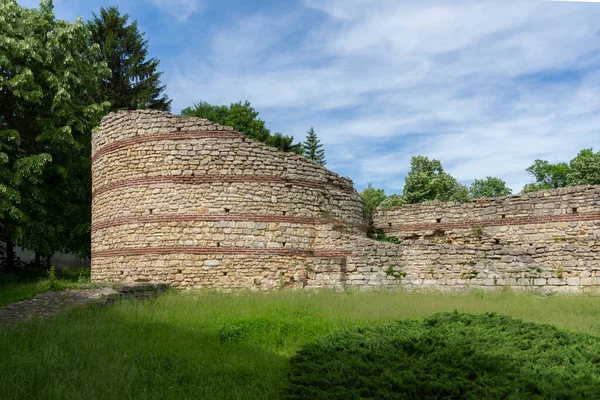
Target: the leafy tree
(489, 187)
(547, 176)
(243, 118)
(427, 181)
(135, 81)
(372, 198)
(585, 168)
(393, 200)
(49, 84)
(313, 149)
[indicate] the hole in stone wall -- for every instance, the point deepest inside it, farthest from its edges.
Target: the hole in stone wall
(150, 211)
(227, 210)
(497, 241)
(224, 273)
(503, 216)
(530, 244)
(284, 243)
(574, 210)
(218, 244)
(389, 224)
(122, 272)
(438, 220)
(179, 271)
(285, 212)
(178, 129)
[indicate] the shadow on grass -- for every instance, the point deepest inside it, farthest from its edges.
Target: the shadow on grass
(111, 354)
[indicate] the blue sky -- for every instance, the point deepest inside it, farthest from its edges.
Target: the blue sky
(485, 86)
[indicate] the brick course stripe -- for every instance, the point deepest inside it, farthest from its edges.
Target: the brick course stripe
(194, 180)
(166, 218)
(591, 216)
(149, 219)
(140, 251)
(120, 144)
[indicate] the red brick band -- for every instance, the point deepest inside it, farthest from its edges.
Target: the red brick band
(199, 179)
(149, 219)
(120, 144)
(591, 216)
(166, 218)
(219, 251)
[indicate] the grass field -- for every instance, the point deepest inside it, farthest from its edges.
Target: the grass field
(210, 345)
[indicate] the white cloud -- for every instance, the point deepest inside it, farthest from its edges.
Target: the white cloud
(485, 86)
(180, 9)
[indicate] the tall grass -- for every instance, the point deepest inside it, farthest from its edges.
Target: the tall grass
(223, 345)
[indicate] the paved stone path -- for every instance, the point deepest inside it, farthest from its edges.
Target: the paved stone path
(51, 303)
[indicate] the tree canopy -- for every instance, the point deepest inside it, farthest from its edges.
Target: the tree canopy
(313, 149)
(243, 118)
(135, 81)
(427, 181)
(584, 169)
(372, 198)
(489, 187)
(50, 81)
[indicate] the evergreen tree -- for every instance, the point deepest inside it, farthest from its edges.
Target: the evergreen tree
(313, 149)
(134, 83)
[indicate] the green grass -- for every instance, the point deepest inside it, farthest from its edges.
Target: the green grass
(15, 288)
(224, 345)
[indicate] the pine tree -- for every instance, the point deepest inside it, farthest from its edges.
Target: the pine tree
(134, 83)
(313, 149)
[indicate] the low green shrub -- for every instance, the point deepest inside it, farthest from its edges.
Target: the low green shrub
(448, 356)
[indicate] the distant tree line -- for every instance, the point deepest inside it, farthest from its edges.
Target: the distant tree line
(427, 181)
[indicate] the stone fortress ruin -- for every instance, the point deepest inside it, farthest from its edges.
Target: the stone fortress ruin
(196, 204)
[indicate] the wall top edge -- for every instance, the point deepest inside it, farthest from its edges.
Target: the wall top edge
(595, 189)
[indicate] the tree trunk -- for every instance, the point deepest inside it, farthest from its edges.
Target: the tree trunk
(38, 260)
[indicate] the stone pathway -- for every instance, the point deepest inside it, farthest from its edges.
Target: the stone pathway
(51, 303)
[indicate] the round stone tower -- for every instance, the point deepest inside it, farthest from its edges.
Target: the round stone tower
(193, 203)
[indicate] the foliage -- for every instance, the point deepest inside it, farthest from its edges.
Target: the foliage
(170, 347)
(449, 355)
(427, 181)
(49, 80)
(547, 175)
(313, 149)
(489, 187)
(585, 168)
(393, 200)
(135, 81)
(243, 118)
(382, 237)
(372, 198)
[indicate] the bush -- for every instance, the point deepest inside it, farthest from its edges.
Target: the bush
(449, 355)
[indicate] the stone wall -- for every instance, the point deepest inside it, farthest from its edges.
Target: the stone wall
(549, 239)
(186, 201)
